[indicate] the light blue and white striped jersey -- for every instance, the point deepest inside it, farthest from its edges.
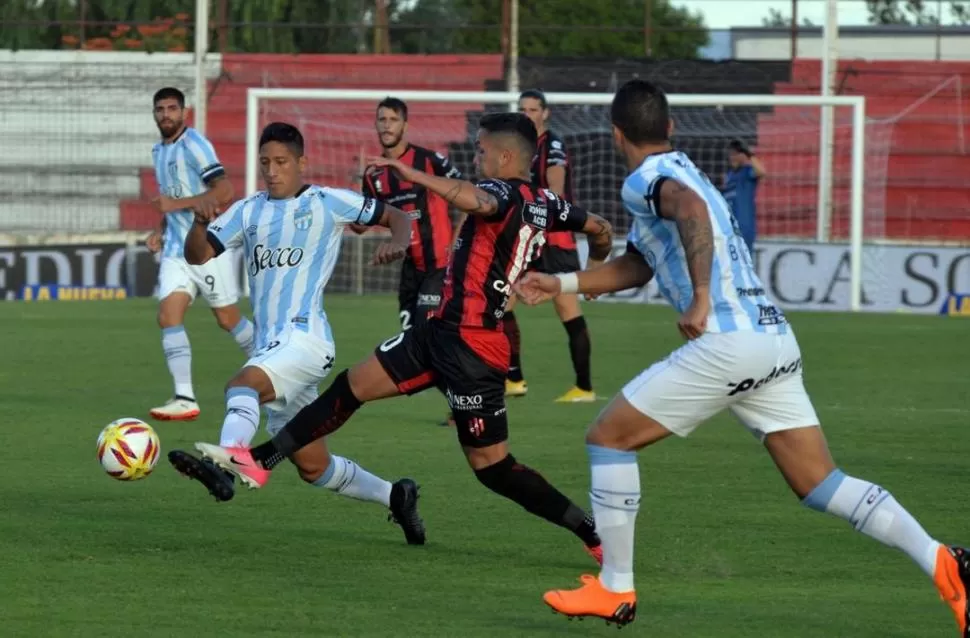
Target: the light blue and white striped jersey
(183, 168)
(290, 247)
(738, 298)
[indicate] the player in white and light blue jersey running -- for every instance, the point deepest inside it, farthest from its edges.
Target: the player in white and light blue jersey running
(741, 355)
(290, 235)
(738, 299)
(190, 177)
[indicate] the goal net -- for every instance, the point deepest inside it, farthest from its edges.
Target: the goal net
(784, 132)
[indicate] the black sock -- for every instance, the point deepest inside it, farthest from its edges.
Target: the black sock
(529, 489)
(511, 328)
(326, 414)
(580, 349)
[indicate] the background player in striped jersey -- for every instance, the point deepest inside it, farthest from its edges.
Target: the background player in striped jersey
(550, 169)
(291, 234)
(741, 354)
(423, 268)
(190, 178)
(462, 350)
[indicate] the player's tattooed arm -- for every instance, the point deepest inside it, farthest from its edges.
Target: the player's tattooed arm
(467, 197)
(599, 237)
(682, 205)
(461, 194)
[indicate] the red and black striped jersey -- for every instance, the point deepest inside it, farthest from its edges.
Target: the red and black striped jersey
(431, 232)
(551, 151)
(493, 252)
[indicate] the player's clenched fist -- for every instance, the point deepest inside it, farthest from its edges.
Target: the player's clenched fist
(535, 288)
(388, 252)
(693, 322)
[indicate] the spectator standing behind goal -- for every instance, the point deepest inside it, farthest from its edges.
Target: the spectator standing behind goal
(551, 170)
(740, 187)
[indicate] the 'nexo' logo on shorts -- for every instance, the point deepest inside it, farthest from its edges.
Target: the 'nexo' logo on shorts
(776, 372)
(463, 401)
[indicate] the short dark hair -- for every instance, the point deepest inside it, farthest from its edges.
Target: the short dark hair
(167, 93)
(516, 124)
(641, 112)
(739, 146)
(396, 105)
(286, 134)
(534, 94)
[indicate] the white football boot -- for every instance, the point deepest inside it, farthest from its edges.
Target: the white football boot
(176, 409)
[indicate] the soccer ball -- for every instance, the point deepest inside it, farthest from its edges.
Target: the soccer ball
(128, 449)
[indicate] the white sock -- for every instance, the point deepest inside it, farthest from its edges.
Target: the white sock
(346, 478)
(615, 495)
(178, 355)
(874, 512)
(245, 335)
(242, 417)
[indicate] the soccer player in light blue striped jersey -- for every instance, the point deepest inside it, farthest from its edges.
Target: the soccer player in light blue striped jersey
(190, 178)
(741, 355)
(291, 235)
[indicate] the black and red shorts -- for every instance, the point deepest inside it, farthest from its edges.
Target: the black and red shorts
(553, 260)
(468, 365)
(419, 294)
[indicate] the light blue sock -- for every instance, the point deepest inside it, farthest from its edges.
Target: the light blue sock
(245, 335)
(346, 478)
(615, 496)
(242, 417)
(874, 512)
(178, 356)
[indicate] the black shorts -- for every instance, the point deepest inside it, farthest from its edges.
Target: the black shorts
(555, 260)
(467, 365)
(419, 294)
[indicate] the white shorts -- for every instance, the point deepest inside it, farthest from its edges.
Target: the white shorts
(757, 376)
(295, 362)
(215, 279)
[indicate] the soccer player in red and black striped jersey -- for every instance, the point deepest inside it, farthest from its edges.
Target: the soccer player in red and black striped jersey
(423, 270)
(462, 350)
(551, 169)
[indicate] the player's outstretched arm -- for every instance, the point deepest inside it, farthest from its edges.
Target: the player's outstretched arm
(460, 193)
(629, 270)
(679, 203)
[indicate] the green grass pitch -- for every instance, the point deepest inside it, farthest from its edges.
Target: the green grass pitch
(723, 549)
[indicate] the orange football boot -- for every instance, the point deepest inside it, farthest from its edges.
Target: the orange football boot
(592, 599)
(952, 579)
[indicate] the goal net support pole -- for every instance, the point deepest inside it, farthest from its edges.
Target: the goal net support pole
(857, 104)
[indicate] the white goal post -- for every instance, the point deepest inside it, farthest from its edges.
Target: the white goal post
(855, 138)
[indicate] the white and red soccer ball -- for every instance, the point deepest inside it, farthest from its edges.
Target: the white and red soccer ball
(128, 449)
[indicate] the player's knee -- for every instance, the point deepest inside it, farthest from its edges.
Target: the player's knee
(167, 318)
(603, 432)
(227, 318)
(498, 477)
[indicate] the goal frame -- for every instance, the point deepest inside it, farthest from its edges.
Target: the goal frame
(856, 102)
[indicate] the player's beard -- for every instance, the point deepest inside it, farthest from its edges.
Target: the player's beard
(392, 140)
(167, 128)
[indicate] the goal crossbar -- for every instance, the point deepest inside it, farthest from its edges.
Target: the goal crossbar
(856, 103)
